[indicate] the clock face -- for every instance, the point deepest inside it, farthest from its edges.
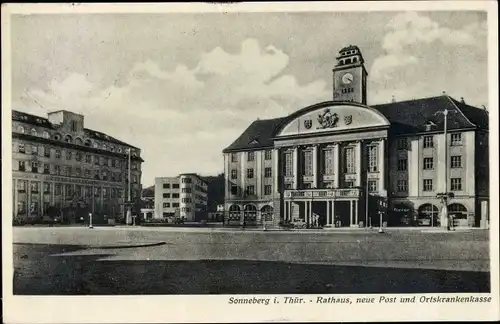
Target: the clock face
(347, 78)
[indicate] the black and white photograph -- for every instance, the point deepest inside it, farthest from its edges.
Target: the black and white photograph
(250, 158)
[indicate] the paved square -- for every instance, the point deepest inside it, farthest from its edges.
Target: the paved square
(203, 261)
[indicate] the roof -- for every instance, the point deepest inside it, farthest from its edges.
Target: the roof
(44, 122)
(406, 117)
(349, 48)
(258, 135)
(411, 116)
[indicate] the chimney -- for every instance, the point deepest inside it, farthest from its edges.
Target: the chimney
(462, 100)
(393, 99)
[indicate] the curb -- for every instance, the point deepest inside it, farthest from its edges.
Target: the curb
(124, 246)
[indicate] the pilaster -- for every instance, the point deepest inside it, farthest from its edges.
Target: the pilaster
(315, 166)
(358, 160)
(295, 158)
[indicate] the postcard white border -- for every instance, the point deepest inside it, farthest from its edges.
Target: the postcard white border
(201, 308)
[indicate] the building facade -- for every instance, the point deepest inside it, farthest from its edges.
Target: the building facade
(183, 196)
(344, 163)
(61, 169)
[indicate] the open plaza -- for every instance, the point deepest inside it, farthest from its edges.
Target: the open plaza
(142, 260)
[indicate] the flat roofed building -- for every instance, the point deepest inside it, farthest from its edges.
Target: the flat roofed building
(183, 196)
(340, 162)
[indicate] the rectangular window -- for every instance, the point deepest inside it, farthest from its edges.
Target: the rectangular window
(402, 143)
(456, 161)
(78, 156)
(428, 185)
(34, 167)
(21, 148)
(372, 186)
(350, 160)
(456, 139)
(57, 169)
(175, 195)
(69, 190)
(69, 155)
(175, 205)
(166, 195)
(307, 185)
(372, 159)
(234, 174)
(175, 186)
(428, 141)
(22, 166)
(349, 184)
(46, 168)
(288, 186)
(46, 187)
(21, 185)
(328, 155)
(267, 190)
(234, 190)
(166, 205)
(86, 173)
(456, 184)
(250, 156)
(166, 186)
(46, 151)
(58, 154)
(73, 126)
(428, 163)
(268, 154)
(186, 180)
(234, 157)
(250, 190)
(35, 186)
(288, 164)
(268, 172)
(186, 190)
(308, 163)
(250, 173)
(402, 164)
(57, 189)
(402, 185)
(34, 150)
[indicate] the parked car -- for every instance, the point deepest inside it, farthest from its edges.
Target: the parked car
(299, 223)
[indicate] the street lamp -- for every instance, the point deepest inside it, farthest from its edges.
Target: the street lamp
(128, 218)
(445, 195)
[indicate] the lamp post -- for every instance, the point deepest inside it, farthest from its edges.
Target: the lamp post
(129, 200)
(90, 221)
(445, 195)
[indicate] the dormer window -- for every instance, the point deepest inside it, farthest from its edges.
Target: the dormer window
(68, 139)
(104, 147)
(74, 126)
(88, 143)
(429, 125)
(33, 132)
(20, 129)
(46, 134)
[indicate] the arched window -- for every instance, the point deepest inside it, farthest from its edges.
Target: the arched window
(267, 213)
(68, 139)
(20, 129)
(104, 147)
(428, 215)
(250, 212)
(458, 211)
(88, 142)
(354, 60)
(46, 134)
(234, 212)
(78, 141)
(34, 132)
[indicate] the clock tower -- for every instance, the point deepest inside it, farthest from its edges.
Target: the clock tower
(349, 76)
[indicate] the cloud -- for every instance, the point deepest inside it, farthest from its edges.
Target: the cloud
(411, 35)
(183, 118)
(422, 58)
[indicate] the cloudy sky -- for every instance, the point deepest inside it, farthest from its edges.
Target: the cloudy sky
(184, 86)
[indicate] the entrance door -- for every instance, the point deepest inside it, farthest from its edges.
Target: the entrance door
(342, 213)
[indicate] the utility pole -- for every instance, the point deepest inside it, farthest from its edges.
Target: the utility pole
(444, 220)
(129, 200)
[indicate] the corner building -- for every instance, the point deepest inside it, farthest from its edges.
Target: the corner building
(60, 168)
(336, 161)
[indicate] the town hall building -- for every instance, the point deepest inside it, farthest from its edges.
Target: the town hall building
(346, 163)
